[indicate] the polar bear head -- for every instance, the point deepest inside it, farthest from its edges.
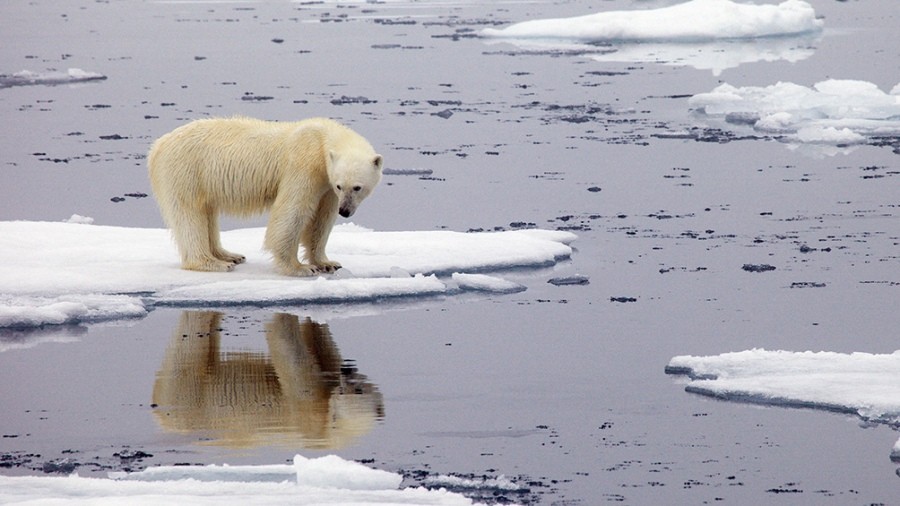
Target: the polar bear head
(353, 176)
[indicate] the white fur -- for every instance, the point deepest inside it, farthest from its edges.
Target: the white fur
(303, 172)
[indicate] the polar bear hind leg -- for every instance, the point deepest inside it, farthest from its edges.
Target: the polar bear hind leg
(195, 234)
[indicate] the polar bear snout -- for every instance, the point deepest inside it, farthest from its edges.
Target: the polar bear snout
(348, 203)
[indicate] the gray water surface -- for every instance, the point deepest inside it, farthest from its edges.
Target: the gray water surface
(559, 388)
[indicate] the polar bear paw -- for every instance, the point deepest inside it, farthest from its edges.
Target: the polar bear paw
(208, 265)
(298, 270)
(233, 258)
(327, 266)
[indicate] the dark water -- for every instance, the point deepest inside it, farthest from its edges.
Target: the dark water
(560, 388)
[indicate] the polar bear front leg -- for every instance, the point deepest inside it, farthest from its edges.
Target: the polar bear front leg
(283, 239)
(315, 235)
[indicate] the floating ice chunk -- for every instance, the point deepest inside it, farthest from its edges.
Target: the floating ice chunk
(577, 279)
(77, 218)
(273, 473)
(25, 311)
(485, 283)
(332, 471)
(27, 78)
(45, 268)
(830, 112)
(406, 172)
(777, 123)
(716, 55)
(864, 384)
(829, 135)
(325, 480)
(397, 272)
(321, 290)
(500, 483)
(325, 472)
(695, 20)
(81, 75)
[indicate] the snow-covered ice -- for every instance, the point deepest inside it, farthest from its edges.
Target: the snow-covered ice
(863, 384)
(730, 34)
(54, 273)
(835, 111)
(485, 283)
(475, 483)
(696, 20)
(34, 311)
(324, 480)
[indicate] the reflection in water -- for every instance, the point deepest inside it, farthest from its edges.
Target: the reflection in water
(12, 338)
(301, 394)
(715, 56)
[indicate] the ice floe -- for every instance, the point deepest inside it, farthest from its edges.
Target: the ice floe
(485, 283)
(729, 35)
(863, 384)
(29, 78)
(55, 273)
(324, 480)
(34, 311)
(459, 483)
(696, 20)
(834, 111)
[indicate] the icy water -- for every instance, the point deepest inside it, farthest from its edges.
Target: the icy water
(559, 388)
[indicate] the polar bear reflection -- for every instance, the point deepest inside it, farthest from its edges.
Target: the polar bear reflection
(302, 394)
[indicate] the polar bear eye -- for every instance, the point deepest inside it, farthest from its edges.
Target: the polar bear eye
(357, 188)
(338, 187)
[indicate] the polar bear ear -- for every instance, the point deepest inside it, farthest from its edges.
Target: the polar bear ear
(378, 162)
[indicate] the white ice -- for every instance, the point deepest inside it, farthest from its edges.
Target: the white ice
(478, 483)
(28, 77)
(485, 283)
(696, 20)
(864, 384)
(325, 480)
(68, 272)
(830, 112)
(730, 34)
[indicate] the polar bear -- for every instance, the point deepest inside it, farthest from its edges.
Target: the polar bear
(303, 172)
